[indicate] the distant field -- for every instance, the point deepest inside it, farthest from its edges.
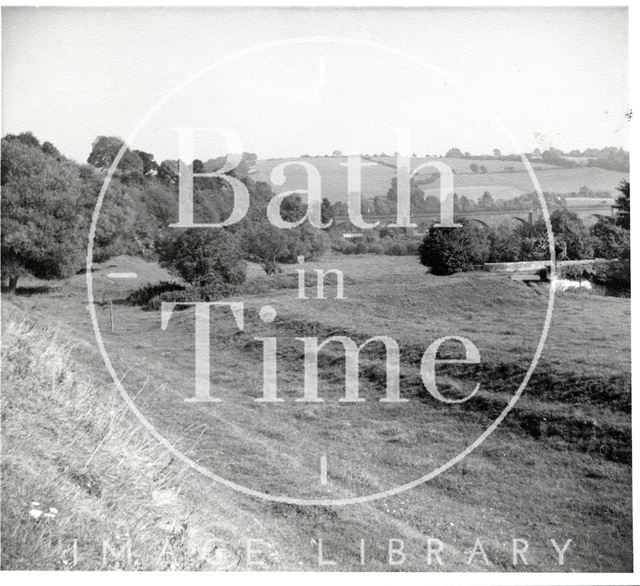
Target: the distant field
(502, 185)
(566, 443)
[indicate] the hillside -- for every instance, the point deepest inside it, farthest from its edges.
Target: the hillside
(500, 183)
(568, 435)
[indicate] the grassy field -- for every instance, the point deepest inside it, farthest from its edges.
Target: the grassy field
(541, 475)
(502, 185)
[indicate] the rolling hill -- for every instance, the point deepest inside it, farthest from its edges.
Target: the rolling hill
(501, 182)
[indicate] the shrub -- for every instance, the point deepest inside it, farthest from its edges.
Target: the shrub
(190, 294)
(615, 275)
(213, 288)
(375, 249)
(450, 250)
(396, 249)
(144, 294)
(412, 248)
(506, 245)
(196, 254)
(360, 247)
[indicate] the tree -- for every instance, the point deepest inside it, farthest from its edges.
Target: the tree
(624, 205)
(49, 149)
(497, 153)
(486, 201)
(168, 172)
(450, 250)
(610, 239)
(454, 153)
(149, 165)
(571, 237)
(326, 211)
(104, 151)
(264, 244)
(199, 255)
(41, 227)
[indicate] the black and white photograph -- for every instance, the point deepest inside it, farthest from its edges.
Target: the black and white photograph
(340, 288)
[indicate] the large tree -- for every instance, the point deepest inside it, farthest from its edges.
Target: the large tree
(104, 151)
(41, 224)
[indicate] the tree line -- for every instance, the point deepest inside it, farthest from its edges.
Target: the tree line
(48, 201)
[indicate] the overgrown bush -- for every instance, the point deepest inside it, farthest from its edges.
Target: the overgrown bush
(450, 250)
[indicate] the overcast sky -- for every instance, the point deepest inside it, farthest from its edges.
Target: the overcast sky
(555, 76)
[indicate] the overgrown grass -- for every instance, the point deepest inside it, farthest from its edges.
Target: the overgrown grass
(80, 482)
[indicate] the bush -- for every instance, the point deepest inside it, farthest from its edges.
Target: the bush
(197, 254)
(190, 294)
(412, 248)
(450, 250)
(144, 294)
(375, 249)
(360, 247)
(396, 249)
(506, 245)
(214, 288)
(614, 275)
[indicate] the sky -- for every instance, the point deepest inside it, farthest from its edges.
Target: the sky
(553, 76)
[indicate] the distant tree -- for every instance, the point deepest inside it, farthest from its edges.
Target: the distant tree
(41, 227)
(104, 151)
(454, 153)
(497, 153)
(198, 166)
(451, 250)
(168, 172)
(49, 149)
(486, 201)
(198, 255)
(336, 154)
(416, 195)
(462, 203)
(624, 205)
(149, 165)
(26, 138)
(326, 210)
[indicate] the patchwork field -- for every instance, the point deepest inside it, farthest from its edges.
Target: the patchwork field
(501, 183)
(565, 444)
